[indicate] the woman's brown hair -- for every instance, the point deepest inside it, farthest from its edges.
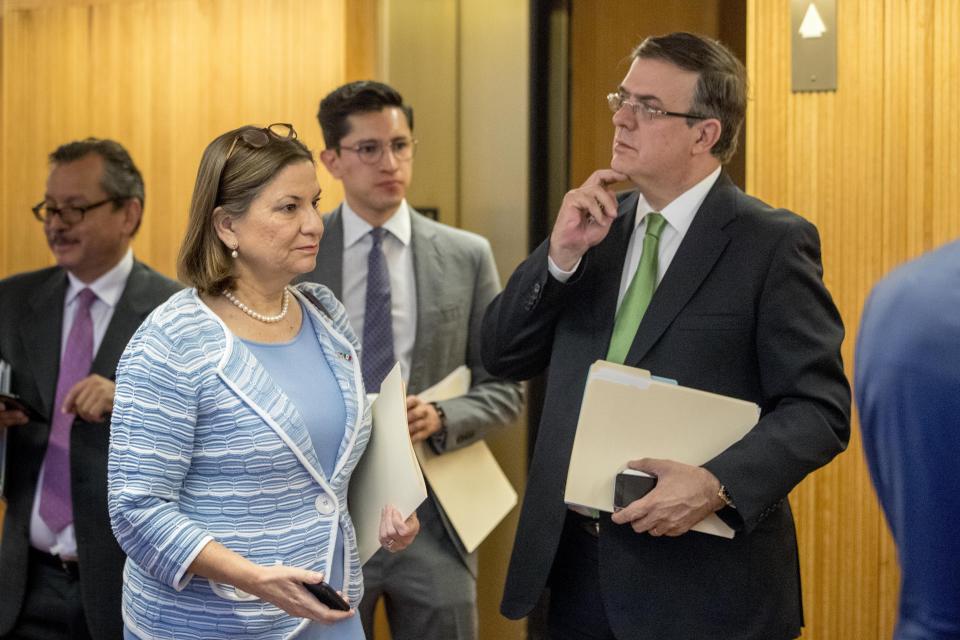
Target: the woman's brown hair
(234, 169)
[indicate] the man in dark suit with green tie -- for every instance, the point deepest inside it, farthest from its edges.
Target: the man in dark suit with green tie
(62, 330)
(691, 279)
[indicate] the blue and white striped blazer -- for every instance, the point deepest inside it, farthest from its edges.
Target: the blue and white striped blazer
(204, 446)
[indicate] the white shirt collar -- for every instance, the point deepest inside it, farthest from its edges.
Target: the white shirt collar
(108, 287)
(356, 228)
(679, 214)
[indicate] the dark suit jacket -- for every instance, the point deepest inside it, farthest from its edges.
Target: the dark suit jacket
(31, 324)
(741, 311)
(456, 279)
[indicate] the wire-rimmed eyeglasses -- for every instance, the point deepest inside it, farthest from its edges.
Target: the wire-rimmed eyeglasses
(617, 100)
(257, 138)
(371, 151)
(69, 215)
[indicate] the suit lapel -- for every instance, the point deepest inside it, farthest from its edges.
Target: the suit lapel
(41, 330)
(428, 273)
(329, 269)
(132, 307)
(698, 252)
(345, 365)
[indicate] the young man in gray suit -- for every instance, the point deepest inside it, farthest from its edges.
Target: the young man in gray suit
(691, 279)
(62, 331)
(415, 291)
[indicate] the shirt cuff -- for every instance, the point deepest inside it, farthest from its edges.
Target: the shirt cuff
(558, 273)
(438, 440)
(183, 578)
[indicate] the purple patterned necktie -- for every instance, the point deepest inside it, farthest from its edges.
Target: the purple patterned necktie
(56, 503)
(378, 356)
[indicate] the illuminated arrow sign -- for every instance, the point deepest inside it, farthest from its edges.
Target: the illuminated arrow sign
(812, 25)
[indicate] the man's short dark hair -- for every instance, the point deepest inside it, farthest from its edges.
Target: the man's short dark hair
(721, 90)
(121, 178)
(363, 96)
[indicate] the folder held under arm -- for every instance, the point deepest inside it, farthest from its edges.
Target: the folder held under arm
(471, 487)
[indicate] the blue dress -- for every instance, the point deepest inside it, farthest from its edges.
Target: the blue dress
(301, 371)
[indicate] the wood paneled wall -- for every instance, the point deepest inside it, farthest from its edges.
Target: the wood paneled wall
(163, 78)
(876, 166)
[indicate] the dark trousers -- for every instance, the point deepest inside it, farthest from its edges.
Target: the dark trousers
(51, 606)
(576, 610)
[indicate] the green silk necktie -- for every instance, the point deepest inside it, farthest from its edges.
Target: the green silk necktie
(639, 293)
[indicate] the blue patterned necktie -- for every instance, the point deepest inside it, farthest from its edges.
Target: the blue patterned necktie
(378, 357)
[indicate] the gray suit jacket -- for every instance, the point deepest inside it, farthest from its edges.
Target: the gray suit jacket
(31, 323)
(456, 279)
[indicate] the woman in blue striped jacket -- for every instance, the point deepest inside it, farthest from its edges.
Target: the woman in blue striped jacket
(239, 416)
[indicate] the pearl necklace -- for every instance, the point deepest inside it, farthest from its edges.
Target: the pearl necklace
(259, 316)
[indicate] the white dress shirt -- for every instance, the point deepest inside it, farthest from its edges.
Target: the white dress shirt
(108, 287)
(403, 287)
(679, 215)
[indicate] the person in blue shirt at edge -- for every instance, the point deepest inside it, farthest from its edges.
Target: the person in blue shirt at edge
(907, 384)
(240, 414)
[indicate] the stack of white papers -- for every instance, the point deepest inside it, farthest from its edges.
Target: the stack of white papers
(469, 484)
(388, 472)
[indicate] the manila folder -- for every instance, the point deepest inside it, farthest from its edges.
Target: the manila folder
(626, 414)
(388, 472)
(471, 487)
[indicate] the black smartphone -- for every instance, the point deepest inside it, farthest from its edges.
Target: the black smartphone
(13, 402)
(631, 485)
(328, 596)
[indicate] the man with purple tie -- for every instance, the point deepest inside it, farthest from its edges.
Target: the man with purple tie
(62, 331)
